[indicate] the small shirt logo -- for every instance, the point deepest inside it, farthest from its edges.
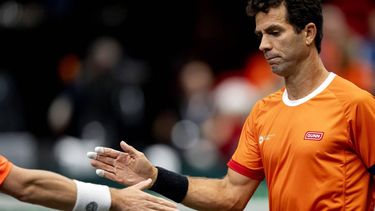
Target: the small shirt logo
(264, 138)
(314, 135)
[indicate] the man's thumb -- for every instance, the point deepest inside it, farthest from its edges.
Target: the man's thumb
(127, 148)
(143, 184)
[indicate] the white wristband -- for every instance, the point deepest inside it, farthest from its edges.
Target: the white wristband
(92, 197)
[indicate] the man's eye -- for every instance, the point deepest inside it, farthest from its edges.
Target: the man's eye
(275, 33)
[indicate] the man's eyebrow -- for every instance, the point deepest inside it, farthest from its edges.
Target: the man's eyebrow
(272, 28)
(269, 29)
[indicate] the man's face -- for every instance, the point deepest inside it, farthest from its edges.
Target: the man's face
(281, 45)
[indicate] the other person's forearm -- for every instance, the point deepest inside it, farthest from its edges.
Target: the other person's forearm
(42, 187)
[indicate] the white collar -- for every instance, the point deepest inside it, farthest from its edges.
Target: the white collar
(314, 93)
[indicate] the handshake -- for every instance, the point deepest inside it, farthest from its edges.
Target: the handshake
(131, 167)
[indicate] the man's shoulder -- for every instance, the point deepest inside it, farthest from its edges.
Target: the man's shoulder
(347, 91)
(271, 99)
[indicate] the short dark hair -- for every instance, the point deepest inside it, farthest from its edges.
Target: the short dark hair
(299, 14)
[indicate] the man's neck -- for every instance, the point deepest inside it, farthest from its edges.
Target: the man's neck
(306, 79)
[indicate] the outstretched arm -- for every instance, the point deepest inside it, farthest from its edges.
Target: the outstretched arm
(230, 193)
(40, 187)
(56, 191)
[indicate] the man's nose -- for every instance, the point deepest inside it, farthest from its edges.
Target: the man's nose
(265, 44)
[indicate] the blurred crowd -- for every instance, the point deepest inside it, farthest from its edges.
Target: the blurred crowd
(186, 118)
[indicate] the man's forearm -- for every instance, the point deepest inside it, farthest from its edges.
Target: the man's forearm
(230, 193)
(195, 192)
(55, 191)
(41, 187)
(212, 194)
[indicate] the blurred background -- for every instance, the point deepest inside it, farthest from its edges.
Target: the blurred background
(175, 80)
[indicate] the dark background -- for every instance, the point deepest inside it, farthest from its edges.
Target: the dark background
(160, 33)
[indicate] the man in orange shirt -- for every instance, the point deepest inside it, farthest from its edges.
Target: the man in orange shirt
(312, 140)
(56, 191)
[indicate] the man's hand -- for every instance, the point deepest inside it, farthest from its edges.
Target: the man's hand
(133, 198)
(128, 168)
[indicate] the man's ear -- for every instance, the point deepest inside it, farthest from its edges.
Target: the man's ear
(310, 33)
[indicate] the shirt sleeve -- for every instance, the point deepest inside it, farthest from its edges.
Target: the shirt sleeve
(246, 160)
(5, 167)
(362, 130)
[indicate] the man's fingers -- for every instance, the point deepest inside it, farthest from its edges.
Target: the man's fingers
(108, 152)
(100, 172)
(104, 160)
(127, 148)
(92, 155)
(107, 160)
(106, 174)
(143, 185)
(100, 165)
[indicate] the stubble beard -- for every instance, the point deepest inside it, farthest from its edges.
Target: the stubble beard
(278, 70)
(282, 69)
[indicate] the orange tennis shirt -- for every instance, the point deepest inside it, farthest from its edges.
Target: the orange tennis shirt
(5, 167)
(316, 153)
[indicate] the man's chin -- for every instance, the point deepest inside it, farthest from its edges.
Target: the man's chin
(276, 70)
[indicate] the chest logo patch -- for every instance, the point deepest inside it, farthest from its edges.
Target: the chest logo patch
(314, 135)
